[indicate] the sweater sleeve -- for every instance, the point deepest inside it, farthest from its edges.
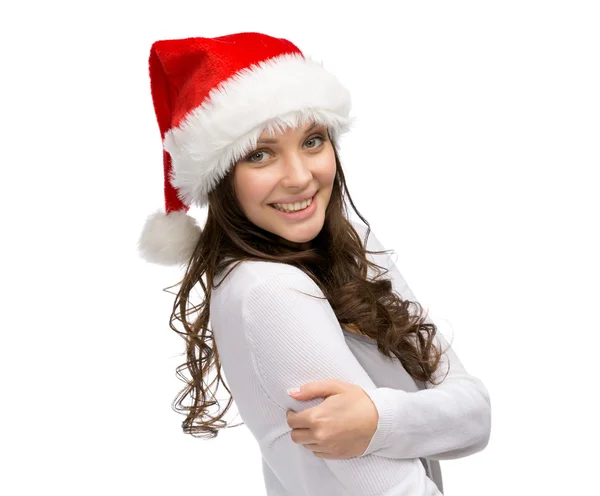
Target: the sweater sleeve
(293, 337)
(447, 421)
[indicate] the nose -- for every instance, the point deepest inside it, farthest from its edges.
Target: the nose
(297, 171)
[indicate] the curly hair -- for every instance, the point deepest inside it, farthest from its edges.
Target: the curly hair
(338, 264)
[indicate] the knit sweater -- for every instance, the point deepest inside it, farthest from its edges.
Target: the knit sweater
(270, 337)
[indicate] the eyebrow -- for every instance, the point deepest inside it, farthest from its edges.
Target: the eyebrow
(272, 141)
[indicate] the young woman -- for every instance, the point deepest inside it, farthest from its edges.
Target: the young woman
(295, 293)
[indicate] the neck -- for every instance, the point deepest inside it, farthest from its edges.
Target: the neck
(299, 246)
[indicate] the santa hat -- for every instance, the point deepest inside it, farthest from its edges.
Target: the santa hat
(212, 98)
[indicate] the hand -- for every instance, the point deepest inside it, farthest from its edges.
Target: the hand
(340, 427)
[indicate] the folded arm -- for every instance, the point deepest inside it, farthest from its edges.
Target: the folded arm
(295, 338)
(450, 420)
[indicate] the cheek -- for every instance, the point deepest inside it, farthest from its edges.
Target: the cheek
(250, 188)
(328, 167)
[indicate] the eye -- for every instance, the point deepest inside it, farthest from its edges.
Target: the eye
(258, 153)
(318, 137)
(253, 155)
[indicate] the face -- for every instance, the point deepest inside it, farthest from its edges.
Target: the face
(284, 168)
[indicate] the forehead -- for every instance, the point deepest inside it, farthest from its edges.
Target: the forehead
(274, 129)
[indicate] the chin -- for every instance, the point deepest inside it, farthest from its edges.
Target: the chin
(305, 236)
(303, 245)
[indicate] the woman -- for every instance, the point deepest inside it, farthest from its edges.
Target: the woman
(293, 290)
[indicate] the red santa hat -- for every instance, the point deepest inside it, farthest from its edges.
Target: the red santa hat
(212, 98)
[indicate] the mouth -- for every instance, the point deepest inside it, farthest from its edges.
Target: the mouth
(296, 212)
(311, 200)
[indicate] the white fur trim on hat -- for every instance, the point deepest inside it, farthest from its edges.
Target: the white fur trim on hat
(283, 91)
(169, 239)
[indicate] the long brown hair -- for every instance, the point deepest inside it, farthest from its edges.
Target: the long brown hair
(337, 263)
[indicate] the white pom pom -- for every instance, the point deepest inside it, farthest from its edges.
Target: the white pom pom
(169, 239)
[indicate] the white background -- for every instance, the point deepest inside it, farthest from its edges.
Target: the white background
(474, 156)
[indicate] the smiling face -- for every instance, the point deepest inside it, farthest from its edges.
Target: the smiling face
(284, 168)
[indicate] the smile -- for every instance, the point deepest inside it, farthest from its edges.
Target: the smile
(298, 214)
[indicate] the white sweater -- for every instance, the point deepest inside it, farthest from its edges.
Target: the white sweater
(271, 337)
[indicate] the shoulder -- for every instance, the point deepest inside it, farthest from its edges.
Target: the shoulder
(371, 243)
(360, 229)
(269, 280)
(263, 297)
(376, 252)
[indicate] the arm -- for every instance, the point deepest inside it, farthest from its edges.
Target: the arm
(451, 420)
(294, 338)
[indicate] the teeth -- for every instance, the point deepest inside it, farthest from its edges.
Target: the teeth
(292, 207)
